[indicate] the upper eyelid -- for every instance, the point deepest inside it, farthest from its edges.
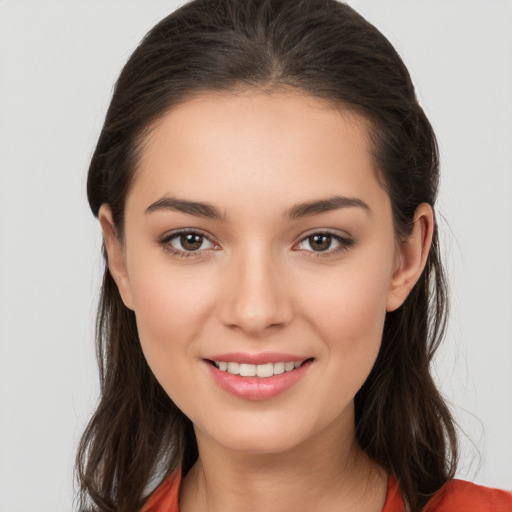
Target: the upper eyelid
(309, 232)
(178, 232)
(337, 236)
(335, 233)
(340, 236)
(342, 240)
(165, 242)
(345, 243)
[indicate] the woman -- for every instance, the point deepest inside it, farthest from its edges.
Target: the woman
(265, 181)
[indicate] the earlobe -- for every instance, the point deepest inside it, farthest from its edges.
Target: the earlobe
(116, 260)
(412, 255)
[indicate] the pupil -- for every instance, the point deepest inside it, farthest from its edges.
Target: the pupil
(320, 242)
(191, 242)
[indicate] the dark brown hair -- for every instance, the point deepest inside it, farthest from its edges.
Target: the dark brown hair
(323, 48)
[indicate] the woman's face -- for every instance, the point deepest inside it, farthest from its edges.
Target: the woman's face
(256, 234)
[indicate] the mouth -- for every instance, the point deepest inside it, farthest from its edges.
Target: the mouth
(261, 371)
(257, 377)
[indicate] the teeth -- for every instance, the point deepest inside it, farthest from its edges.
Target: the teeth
(278, 368)
(289, 366)
(233, 368)
(247, 370)
(259, 370)
(265, 370)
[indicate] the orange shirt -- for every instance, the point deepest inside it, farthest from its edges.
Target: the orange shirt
(455, 496)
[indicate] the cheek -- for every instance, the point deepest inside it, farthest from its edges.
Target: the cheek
(170, 308)
(348, 311)
(169, 296)
(349, 305)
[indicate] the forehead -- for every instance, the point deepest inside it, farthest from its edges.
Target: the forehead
(282, 146)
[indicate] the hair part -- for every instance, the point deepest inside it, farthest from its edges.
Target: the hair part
(324, 49)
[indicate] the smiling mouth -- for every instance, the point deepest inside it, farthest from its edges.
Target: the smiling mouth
(257, 370)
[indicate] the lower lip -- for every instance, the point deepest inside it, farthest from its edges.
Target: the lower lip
(257, 388)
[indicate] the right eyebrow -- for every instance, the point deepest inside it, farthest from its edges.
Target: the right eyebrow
(325, 205)
(195, 208)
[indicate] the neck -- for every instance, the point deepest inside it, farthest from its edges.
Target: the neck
(323, 473)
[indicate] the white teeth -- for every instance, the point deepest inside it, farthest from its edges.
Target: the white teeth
(265, 370)
(233, 368)
(247, 370)
(278, 368)
(260, 370)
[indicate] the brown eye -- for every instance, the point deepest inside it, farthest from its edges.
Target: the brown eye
(186, 243)
(325, 242)
(320, 242)
(191, 241)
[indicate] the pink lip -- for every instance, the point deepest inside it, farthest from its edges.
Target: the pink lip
(256, 388)
(261, 358)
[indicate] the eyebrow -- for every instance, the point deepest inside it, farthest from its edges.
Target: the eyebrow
(297, 211)
(190, 207)
(325, 205)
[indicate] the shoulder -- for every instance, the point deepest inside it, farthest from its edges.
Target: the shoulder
(465, 496)
(455, 496)
(165, 497)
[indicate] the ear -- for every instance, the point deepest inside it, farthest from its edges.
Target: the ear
(412, 256)
(115, 254)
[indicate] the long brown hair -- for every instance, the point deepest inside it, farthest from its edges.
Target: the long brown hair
(137, 436)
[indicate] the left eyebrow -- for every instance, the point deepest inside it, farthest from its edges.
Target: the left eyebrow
(190, 207)
(325, 205)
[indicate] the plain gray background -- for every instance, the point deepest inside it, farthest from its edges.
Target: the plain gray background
(58, 62)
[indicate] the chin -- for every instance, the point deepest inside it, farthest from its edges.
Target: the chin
(261, 443)
(263, 435)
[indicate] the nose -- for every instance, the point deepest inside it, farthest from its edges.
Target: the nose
(256, 298)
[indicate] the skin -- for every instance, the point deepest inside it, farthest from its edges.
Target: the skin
(258, 284)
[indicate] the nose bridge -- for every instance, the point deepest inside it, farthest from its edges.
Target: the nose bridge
(255, 298)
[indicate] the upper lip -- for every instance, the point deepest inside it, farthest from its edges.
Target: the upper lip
(261, 358)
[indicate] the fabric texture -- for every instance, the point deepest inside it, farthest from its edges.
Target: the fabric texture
(166, 497)
(455, 496)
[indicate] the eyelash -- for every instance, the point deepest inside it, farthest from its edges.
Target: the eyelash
(345, 244)
(165, 243)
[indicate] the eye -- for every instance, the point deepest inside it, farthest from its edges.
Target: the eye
(186, 243)
(324, 242)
